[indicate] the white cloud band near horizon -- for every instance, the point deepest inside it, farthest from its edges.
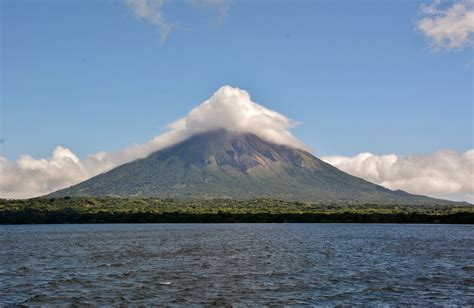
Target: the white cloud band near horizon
(444, 174)
(229, 108)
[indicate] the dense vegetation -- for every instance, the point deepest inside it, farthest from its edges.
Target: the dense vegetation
(153, 210)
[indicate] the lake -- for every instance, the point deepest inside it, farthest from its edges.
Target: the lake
(237, 264)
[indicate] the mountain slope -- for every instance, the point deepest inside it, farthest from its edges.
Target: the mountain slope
(220, 164)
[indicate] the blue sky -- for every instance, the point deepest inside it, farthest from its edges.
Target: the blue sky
(91, 76)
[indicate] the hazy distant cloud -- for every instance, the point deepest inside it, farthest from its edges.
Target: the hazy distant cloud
(229, 108)
(449, 27)
(441, 174)
(151, 11)
(222, 6)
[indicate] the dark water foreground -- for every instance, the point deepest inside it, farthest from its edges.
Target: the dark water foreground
(237, 264)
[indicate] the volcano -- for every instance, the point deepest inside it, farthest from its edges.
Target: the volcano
(223, 164)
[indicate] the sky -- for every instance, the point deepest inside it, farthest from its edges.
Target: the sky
(377, 88)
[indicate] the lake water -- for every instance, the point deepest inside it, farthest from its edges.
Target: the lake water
(237, 264)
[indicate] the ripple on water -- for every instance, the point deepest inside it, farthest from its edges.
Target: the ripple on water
(237, 264)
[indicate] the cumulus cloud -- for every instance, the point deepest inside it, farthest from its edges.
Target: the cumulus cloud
(449, 27)
(444, 174)
(232, 109)
(151, 11)
(31, 177)
(441, 174)
(229, 108)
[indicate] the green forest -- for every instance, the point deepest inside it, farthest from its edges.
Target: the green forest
(156, 210)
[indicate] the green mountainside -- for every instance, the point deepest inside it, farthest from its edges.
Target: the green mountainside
(221, 164)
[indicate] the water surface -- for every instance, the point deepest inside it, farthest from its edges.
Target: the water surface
(237, 264)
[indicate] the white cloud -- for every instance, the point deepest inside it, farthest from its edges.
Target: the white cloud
(151, 11)
(30, 177)
(441, 174)
(448, 28)
(229, 108)
(232, 109)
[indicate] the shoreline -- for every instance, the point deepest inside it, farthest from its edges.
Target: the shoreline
(154, 210)
(17, 218)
